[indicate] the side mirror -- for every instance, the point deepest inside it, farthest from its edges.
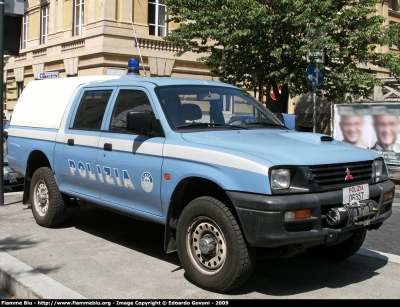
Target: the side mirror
(139, 122)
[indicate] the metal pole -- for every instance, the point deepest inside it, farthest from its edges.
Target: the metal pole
(2, 102)
(314, 109)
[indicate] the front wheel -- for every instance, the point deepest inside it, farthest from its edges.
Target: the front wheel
(211, 247)
(47, 203)
(342, 250)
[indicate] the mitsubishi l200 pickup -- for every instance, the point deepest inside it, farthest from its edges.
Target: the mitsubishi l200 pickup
(161, 149)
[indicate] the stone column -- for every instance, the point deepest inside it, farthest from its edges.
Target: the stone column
(377, 93)
(140, 11)
(107, 9)
(60, 11)
(52, 17)
(90, 7)
(125, 10)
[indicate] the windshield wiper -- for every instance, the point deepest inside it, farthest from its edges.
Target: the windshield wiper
(268, 124)
(192, 125)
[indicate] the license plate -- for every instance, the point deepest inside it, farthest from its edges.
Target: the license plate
(357, 192)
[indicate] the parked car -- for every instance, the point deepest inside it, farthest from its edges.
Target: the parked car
(11, 178)
(6, 126)
(238, 120)
(289, 120)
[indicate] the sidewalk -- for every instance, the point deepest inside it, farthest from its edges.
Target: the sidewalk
(23, 281)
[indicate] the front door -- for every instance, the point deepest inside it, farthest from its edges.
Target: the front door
(130, 163)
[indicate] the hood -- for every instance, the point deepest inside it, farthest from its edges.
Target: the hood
(283, 147)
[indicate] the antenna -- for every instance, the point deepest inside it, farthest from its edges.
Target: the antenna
(137, 44)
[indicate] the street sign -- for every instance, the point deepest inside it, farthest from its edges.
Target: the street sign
(315, 75)
(316, 56)
(48, 75)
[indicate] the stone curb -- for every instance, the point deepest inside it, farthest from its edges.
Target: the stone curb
(24, 282)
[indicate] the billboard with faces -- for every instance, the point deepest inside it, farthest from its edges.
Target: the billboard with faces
(374, 126)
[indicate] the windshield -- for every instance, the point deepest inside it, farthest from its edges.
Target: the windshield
(206, 107)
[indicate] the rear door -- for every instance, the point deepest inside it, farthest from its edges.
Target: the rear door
(77, 172)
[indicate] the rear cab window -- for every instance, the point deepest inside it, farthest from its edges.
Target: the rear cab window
(91, 110)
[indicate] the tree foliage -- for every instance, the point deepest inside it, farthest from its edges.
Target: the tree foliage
(261, 43)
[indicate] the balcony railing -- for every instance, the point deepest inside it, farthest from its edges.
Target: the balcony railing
(74, 45)
(20, 57)
(156, 45)
(39, 53)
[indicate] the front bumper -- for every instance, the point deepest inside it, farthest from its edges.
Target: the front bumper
(263, 216)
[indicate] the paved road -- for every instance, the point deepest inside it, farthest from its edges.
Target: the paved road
(387, 238)
(99, 254)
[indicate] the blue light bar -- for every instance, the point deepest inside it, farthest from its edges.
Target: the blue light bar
(133, 67)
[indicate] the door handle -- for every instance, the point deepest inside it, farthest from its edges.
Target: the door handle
(71, 142)
(107, 146)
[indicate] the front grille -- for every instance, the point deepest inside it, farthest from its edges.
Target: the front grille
(327, 176)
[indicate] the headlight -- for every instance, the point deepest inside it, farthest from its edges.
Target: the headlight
(280, 179)
(378, 168)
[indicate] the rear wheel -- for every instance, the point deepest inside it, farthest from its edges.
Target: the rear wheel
(47, 203)
(211, 247)
(342, 250)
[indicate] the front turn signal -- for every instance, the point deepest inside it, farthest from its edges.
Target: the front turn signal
(297, 214)
(388, 196)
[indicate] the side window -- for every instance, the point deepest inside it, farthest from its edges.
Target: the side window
(129, 100)
(91, 110)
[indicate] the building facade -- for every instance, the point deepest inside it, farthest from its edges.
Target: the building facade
(90, 37)
(67, 38)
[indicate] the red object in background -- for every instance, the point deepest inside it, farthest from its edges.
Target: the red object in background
(280, 89)
(272, 93)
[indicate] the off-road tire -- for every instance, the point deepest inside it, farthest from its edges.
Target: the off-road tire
(341, 251)
(47, 203)
(233, 260)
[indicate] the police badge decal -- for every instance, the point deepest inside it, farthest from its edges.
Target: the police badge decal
(147, 182)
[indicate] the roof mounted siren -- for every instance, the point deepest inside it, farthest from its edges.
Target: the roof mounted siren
(133, 67)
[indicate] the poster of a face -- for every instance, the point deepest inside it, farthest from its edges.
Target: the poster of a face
(372, 126)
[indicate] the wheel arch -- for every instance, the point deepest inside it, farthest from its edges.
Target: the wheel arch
(187, 190)
(193, 187)
(36, 160)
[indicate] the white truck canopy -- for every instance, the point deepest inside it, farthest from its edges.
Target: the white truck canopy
(43, 102)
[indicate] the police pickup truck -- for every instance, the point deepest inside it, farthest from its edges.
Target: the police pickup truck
(161, 149)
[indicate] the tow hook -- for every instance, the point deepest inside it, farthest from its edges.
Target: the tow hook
(357, 213)
(332, 235)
